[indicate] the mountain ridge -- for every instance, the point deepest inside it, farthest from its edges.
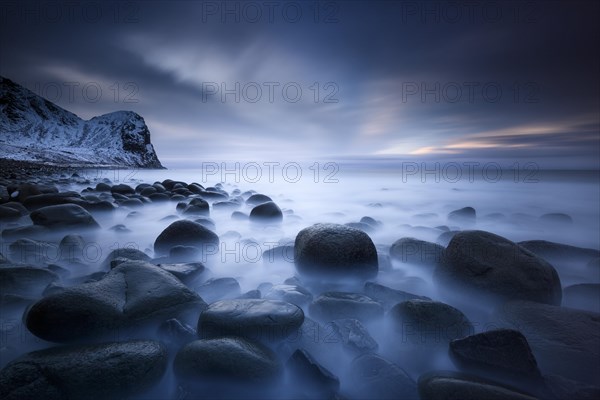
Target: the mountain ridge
(34, 129)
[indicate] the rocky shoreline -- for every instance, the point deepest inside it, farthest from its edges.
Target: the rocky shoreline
(166, 322)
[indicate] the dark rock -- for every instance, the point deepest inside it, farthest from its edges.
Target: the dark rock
(311, 379)
(186, 233)
(415, 251)
(584, 296)
(226, 205)
(556, 219)
(132, 203)
(453, 386)
(181, 254)
(72, 248)
(207, 223)
(335, 251)
(445, 238)
(231, 360)
(389, 297)
(429, 322)
(251, 294)
(565, 341)
(361, 226)
(373, 377)
(562, 388)
(9, 214)
(239, 216)
(128, 296)
(290, 293)
(125, 253)
(120, 228)
(219, 288)
(503, 352)
(101, 371)
(338, 305)
(279, 254)
(257, 199)
(465, 215)
(63, 217)
(103, 187)
(486, 263)
(176, 333)
(25, 231)
(354, 336)
(29, 251)
(266, 212)
(557, 251)
(122, 189)
(53, 199)
(197, 206)
(185, 272)
(263, 320)
(158, 197)
(24, 280)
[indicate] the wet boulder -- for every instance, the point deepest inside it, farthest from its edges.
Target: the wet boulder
(99, 371)
(336, 252)
(484, 263)
(64, 216)
(186, 233)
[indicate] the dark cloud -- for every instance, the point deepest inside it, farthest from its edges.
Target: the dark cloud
(369, 56)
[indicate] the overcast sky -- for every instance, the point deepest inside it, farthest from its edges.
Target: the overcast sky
(398, 79)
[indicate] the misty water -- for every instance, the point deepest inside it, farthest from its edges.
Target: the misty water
(414, 204)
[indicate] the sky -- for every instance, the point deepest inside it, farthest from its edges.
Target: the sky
(271, 80)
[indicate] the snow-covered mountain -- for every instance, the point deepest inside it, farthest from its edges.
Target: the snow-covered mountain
(34, 129)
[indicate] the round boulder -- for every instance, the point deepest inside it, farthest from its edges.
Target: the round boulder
(266, 212)
(232, 359)
(185, 233)
(259, 319)
(487, 263)
(335, 251)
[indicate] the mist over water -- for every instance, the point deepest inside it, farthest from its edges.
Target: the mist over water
(406, 205)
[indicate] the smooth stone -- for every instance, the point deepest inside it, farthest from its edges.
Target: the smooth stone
(414, 251)
(127, 253)
(336, 252)
(125, 298)
(100, 371)
(338, 305)
(290, 293)
(444, 385)
(311, 379)
(257, 199)
(65, 216)
(484, 263)
(278, 254)
(232, 360)
(558, 251)
(267, 213)
(503, 352)
(375, 378)
(389, 297)
(185, 233)
(463, 215)
(257, 319)
(175, 333)
(185, 272)
(219, 288)
(354, 336)
(122, 189)
(564, 341)
(432, 323)
(584, 296)
(24, 280)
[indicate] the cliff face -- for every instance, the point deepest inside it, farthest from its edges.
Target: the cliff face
(34, 129)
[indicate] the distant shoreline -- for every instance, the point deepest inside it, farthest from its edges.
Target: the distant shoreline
(23, 170)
